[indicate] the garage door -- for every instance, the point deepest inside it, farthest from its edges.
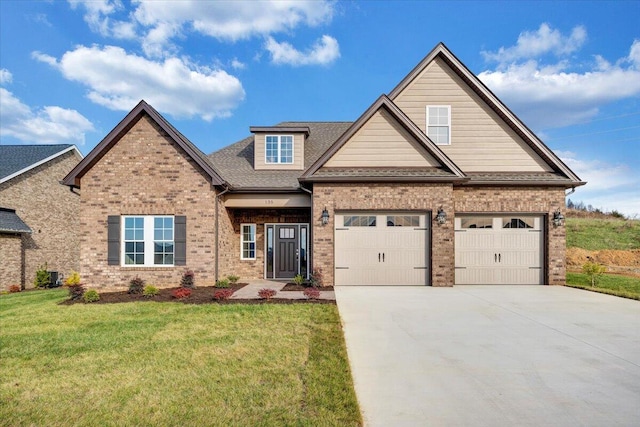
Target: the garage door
(381, 249)
(505, 249)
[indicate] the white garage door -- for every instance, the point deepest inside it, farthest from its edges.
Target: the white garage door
(505, 249)
(381, 249)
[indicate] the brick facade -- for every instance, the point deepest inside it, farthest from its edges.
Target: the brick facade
(525, 200)
(11, 261)
(51, 211)
(380, 197)
(146, 173)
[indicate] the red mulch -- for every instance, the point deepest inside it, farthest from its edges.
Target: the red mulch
(294, 287)
(199, 295)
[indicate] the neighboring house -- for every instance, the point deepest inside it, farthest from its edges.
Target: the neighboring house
(437, 183)
(38, 215)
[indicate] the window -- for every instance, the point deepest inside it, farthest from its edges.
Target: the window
(141, 233)
(279, 149)
(476, 222)
(248, 241)
(439, 124)
(517, 222)
(359, 221)
(403, 221)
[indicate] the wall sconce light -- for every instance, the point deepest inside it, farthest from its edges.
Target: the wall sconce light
(441, 216)
(558, 218)
(325, 216)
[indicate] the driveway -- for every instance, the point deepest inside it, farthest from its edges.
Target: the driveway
(492, 355)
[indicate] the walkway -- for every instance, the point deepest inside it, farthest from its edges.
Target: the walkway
(251, 291)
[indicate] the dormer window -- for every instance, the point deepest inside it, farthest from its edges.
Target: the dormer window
(279, 149)
(439, 124)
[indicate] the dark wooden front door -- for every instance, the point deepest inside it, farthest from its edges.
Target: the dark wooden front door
(287, 244)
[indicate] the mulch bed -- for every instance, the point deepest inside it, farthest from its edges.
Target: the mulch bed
(294, 287)
(199, 295)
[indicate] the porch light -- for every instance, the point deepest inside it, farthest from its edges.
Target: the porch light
(441, 217)
(325, 216)
(558, 218)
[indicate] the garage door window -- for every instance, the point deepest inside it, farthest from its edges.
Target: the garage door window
(476, 222)
(517, 222)
(403, 221)
(359, 221)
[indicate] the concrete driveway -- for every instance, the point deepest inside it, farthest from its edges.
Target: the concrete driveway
(493, 356)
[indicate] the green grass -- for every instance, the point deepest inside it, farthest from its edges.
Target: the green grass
(622, 286)
(598, 234)
(152, 364)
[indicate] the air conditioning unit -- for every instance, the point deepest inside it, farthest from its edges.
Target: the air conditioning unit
(55, 279)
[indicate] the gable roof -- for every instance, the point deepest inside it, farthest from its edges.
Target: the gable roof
(18, 159)
(10, 222)
(450, 171)
(73, 178)
(493, 102)
(235, 162)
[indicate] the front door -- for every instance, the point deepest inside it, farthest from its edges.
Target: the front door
(286, 254)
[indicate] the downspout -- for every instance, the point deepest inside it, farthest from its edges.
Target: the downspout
(310, 243)
(226, 190)
(573, 190)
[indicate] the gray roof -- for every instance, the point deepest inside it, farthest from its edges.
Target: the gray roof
(235, 162)
(14, 158)
(378, 172)
(10, 222)
(522, 178)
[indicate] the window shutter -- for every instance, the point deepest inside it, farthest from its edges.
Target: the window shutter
(113, 239)
(180, 240)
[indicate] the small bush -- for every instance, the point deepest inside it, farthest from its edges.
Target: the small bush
(594, 271)
(267, 293)
(188, 280)
(91, 296)
(136, 285)
(233, 279)
(298, 280)
(222, 283)
(14, 288)
(43, 278)
(222, 294)
(317, 278)
(76, 292)
(181, 293)
(312, 293)
(73, 279)
(150, 291)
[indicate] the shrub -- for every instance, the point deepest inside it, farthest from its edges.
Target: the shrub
(181, 293)
(233, 279)
(593, 270)
(15, 288)
(73, 279)
(317, 279)
(222, 283)
(150, 291)
(222, 294)
(267, 293)
(188, 280)
(312, 293)
(76, 291)
(136, 285)
(43, 278)
(298, 280)
(91, 296)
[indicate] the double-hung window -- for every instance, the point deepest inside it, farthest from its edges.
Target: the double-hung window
(148, 241)
(248, 241)
(439, 124)
(279, 149)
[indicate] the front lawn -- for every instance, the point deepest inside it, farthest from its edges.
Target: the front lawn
(622, 286)
(152, 364)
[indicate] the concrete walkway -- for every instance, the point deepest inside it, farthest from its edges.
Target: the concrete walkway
(251, 291)
(493, 356)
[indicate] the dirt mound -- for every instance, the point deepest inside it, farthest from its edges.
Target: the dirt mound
(608, 257)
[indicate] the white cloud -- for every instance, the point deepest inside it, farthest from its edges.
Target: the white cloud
(237, 65)
(543, 41)
(547, 95)
(323, 52)
(5, 76)
(98, 17)
(119, 80)
(50, 124)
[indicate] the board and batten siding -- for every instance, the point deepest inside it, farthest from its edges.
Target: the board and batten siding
(382, 142)
(259, 152)
(480, 140)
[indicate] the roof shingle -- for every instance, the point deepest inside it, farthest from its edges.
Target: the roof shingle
(14, 158)
(10, 222)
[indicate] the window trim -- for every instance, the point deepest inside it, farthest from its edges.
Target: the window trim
(254, 241)
(148, 228)
(448, 125)
(279, 150)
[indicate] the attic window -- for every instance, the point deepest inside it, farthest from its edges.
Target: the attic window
(279, 149)
(439, 124)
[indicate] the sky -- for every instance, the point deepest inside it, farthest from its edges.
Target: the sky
(71, 70)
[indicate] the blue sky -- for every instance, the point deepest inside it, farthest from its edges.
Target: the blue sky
(71, 70)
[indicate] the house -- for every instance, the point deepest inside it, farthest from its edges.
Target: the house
(437, 183)
(38, 215)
